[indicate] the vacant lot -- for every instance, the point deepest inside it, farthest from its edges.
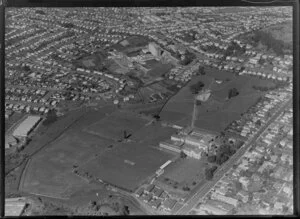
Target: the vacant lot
(127, 165)
(218, 111)
(113, 126)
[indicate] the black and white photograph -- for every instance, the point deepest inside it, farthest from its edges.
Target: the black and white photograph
(149, 111)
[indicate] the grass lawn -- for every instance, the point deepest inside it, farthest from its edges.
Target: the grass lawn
(187, 172)
(159, 69)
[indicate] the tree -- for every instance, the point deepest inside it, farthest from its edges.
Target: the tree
(195, 88)
(201, 70)
(208, 174)
(182, 155)
(26, 68)
(212, 158)
(261, 61)
(232, 92)
(125, 210)
(186, 188)
(51, 117)
(156, 116)
(221, 158)
(258, 123)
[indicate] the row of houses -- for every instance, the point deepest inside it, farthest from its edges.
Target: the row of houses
(156, 197)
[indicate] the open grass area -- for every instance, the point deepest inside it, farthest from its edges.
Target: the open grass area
(127, 165)
(159, 70)
(50, 171)
(218, 111)
(92, 61)
(152, 134)
(113, 127)
(185, 173)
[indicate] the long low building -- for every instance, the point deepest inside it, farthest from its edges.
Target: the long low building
(26, 126)
(171, 145)
(14, 206)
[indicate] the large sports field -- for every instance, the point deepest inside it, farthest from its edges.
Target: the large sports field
(127, 165)
(217, 112)
(49, 172)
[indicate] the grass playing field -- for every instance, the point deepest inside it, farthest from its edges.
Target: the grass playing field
(113, 127)
(50, 171)
(127, 165)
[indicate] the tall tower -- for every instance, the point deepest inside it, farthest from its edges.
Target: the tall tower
(203, 96)
(194, 116)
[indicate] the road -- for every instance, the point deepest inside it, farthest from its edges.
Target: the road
(227, 165)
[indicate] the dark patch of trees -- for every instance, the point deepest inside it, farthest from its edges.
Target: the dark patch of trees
(156, 117)
(186, 188)
(51, 117)
(26, 68)
(209, 172)
(261, 61)
(212, 158)
(234, 48)
(223, 153)
(40, 12)
(270, 42)
(195, 88)
(232, 93)
(201, 70)
(68, 25)
(189, 57)
(182, 155)
(278, 84)
(258, 123)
